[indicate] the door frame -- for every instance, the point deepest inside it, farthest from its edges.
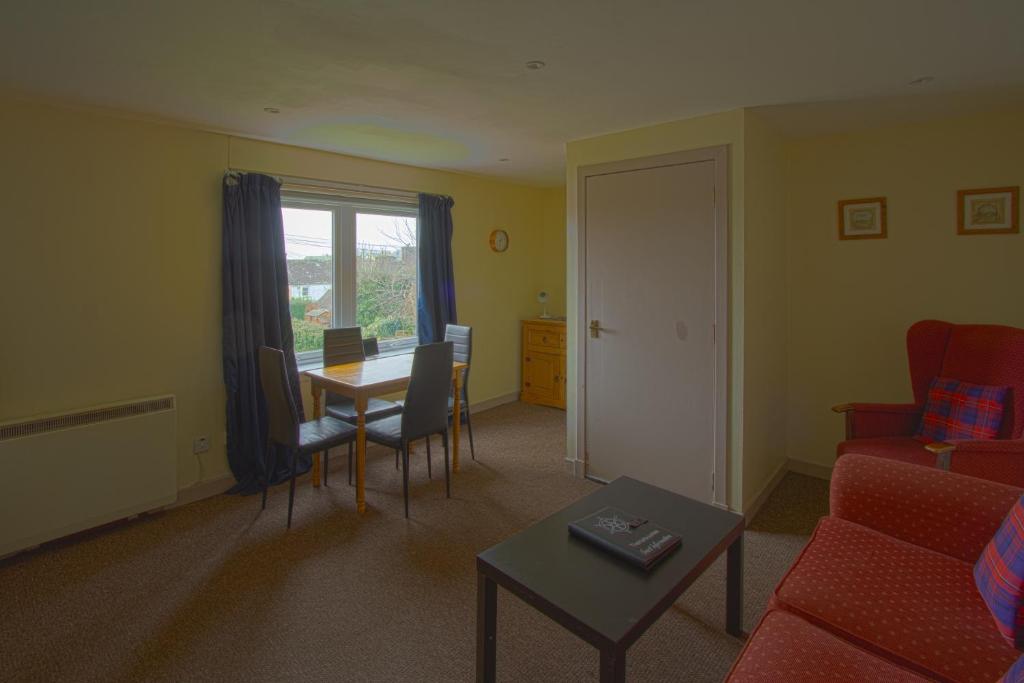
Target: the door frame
(719, 155)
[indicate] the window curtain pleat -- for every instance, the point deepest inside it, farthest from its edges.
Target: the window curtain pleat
(435, 298)
(255, 313)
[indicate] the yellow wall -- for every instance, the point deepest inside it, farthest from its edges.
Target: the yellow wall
(764, 307)
(111, 264)
(706, 131)
(552, 255)
(851, 302)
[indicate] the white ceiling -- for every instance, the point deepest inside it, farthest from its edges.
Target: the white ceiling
(443, 83)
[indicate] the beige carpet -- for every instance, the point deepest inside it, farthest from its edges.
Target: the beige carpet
(215, 591)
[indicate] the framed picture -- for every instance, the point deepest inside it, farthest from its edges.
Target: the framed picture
(988, 211)
(862, 219)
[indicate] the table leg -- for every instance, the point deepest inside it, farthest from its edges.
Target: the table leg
(315, 476)
(456, 420)
(734, 589)
(361, 453)
(486, 628)
(613, 666)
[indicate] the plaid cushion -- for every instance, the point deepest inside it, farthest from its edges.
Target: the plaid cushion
(960, 410)
(999, 574)
(1015, 674)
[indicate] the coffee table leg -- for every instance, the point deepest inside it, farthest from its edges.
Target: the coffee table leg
(486, 628)
(734, 589)
(613, 666)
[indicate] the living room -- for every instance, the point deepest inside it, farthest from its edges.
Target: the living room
(846, 146)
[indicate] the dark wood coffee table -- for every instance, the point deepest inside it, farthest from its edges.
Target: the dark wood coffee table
(606, 601)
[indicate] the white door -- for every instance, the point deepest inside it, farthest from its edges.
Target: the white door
(652, 267)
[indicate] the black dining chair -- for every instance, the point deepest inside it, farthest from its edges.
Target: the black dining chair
(346, 345)
(425, 412)
(371, 347)
(285, 429)
(462, 337)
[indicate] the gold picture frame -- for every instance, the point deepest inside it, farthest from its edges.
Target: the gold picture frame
(988, 211)
(862, 219)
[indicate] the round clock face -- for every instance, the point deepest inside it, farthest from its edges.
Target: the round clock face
(499, 240)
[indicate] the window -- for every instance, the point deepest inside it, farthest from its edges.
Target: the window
(350, 263)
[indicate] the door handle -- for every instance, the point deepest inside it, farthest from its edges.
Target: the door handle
(595, 329)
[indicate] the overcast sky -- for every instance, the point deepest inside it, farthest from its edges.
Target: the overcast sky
(307, 232)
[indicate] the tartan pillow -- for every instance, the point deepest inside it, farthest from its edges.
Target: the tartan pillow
(1015, 674)
(999, 574)
(960, 410)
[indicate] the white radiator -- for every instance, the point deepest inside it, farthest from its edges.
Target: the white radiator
(64, 473)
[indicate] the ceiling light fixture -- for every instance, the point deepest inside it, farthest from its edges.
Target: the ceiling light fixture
(535, 65)
(272, 110)
(923, 80)
(503, 159)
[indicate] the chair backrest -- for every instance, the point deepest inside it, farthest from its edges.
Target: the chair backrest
(282, 416)
(370, 347)
(981, 354)
(426, 400)
(343, 345)
(462, 337)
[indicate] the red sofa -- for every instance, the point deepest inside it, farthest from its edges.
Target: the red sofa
(992, 355)
(884, 590)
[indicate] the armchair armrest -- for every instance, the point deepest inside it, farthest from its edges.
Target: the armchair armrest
(999, 460)
(946, 512)
(866, 420)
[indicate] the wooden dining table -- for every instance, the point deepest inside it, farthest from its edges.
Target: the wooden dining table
(365, 379)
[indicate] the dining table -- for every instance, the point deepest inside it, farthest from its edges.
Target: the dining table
(363, 380)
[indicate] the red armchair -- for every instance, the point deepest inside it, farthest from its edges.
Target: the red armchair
(982, 354)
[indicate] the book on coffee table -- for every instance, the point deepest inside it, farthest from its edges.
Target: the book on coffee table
(632, 538)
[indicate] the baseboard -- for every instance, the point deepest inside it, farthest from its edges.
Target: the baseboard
(489, 403)
(751, 509)
(203, 489)
(811, 469)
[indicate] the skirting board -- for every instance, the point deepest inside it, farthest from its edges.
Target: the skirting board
(811, 469)
(750, 509)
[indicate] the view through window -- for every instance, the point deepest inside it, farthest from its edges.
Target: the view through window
(350, 265)
(386, 276)
(308, 244)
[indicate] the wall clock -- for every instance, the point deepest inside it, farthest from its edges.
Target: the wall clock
(499, 240)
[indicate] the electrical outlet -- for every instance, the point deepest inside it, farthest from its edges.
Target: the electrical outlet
(201, 444)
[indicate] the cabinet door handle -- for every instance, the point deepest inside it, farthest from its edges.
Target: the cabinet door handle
(527, 359)
(527, 383)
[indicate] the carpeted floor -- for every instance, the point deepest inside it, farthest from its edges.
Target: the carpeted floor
(214, 591)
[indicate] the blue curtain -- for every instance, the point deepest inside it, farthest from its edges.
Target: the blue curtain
(255, 298)
(435, 303)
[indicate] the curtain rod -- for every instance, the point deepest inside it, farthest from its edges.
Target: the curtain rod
(299, 183)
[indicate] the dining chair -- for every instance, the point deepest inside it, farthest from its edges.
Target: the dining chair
(425, 412)
(284, 427)
(371, 347)
(462, 337)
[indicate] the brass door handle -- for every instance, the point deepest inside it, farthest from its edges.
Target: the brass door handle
(595, 329)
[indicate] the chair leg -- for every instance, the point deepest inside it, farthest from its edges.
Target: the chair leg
(291, 488)
(396, 458)
(266, 472)
(469, 428)
(349, 463)
(327, 456)
(447, 476)
(429, 475)
(405, 476)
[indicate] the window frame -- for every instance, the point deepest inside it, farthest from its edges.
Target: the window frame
(343, 252)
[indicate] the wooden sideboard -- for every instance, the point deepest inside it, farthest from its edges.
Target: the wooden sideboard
(543, 362)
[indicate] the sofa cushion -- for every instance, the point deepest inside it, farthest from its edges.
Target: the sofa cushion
(786, 648)
(902, 448)
(961, 410)
(913, 605)
(999, 574)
